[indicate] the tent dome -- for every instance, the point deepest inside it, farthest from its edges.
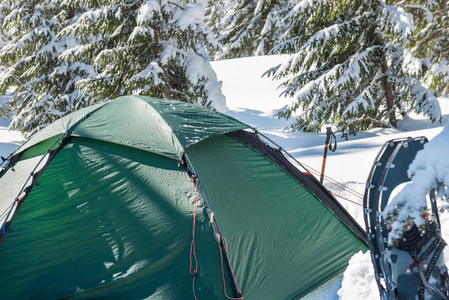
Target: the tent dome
(148, 198)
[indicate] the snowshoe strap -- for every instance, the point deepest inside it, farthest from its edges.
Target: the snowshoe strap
(435, 256)
(420, 258)
(444, 282)
(422, 276)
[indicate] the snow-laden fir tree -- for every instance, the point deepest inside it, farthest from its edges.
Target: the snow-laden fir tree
(153, 47)
(432, 39)
(250, 27)
(214, 15)
(42, 85)
(350, 66)
(68, 54)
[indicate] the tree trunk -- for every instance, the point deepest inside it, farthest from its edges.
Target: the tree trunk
(388, 88)
(389, 96)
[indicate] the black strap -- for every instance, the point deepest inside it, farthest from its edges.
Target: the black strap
(422, 276)
(444, 282)
(420, 258)
(434, 259)
(332, 140)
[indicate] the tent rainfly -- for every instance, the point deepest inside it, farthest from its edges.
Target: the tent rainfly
(147, 198)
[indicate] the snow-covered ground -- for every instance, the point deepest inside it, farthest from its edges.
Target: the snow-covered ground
(254, 99)
(9, 140)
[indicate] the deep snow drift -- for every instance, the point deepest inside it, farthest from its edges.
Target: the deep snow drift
(254, 99)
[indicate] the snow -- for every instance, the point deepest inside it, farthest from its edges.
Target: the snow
(9, 140)
(193, 13)
(442, 70)
(402, 21)
(254, 100)
(197, 69)
(362, 284)
(147, 11)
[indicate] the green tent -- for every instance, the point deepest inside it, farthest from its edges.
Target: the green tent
(144, 198)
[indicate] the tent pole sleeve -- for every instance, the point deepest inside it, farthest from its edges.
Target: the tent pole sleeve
(218, 236)
(39, 162)
(27, 189)
(199, 182)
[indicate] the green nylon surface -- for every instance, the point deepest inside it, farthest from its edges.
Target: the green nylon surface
(58, 127)
(192, 123)
(11, 182)
(42, 147)
(160, 126)
(107, 221)
(283, 242)
(17, 176)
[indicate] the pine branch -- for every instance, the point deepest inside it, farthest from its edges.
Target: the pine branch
(366, 118)
(176, 4)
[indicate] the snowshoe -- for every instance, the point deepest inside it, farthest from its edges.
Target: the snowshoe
(413, 267)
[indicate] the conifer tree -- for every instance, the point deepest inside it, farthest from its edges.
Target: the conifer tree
(432, 39)
(68, 54)
(215, 12)
(44, 87)
(350, 66)
(151, 47)
(250, 27)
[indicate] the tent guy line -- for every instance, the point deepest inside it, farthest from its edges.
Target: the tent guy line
(311, 170)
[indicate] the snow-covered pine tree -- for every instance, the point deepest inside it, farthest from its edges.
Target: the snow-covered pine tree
(432, 39)
(147, 47)
(214, 15)
(4, 110)
(350, 66)
(43, 86)
(250, 27)
(67, 54)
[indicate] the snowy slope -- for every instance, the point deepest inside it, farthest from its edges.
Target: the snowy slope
(254, 99)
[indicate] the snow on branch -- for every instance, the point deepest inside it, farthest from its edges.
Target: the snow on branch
(365, 100)
(440, 73)
(326, 42)
(305, 5)
(398, 23)
(403, 60)
(360, 65)
(193, 13)
(148, 11)
(425, 101)
(153, 73)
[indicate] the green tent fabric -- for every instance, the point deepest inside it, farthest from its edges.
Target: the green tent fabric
(109, 211)
(163, 127)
